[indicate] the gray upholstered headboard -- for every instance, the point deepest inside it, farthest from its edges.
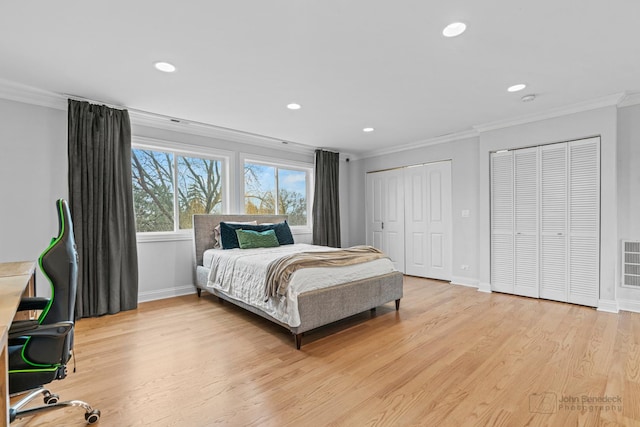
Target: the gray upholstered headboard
(204, 224)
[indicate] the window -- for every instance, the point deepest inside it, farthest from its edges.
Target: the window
(278, 190)
(169, 187)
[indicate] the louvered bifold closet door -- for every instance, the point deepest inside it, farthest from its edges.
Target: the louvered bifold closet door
(584, 221)
(502, 222)
(553, 222)
(526, 222)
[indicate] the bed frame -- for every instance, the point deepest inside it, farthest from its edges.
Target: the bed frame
(318, 307)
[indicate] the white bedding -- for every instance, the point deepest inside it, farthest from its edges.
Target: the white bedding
(240, 273)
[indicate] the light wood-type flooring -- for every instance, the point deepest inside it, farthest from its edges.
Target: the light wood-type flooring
(452, 356)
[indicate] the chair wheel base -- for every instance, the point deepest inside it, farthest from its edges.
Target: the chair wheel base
(92, 417)
(19, 409)
(51, 399)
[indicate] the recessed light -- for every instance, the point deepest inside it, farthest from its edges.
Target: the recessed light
(454, 29)
(165, 67)
(528, 98)
(294, 106)
(368, 130)
(516, 88)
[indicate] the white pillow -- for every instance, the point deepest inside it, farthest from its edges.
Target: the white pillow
(217, 241)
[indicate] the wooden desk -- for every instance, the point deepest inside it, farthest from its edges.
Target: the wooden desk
(14, 279)
(21, 269)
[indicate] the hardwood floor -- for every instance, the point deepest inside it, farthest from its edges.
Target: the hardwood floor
(451, 356)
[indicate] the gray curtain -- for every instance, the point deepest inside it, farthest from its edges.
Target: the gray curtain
(326, 205)
(101, 203)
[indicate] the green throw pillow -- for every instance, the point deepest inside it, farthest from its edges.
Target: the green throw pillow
(253, 239)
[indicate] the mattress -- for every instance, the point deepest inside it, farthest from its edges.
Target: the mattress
(240, 273)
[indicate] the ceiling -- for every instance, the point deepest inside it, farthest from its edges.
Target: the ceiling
(350, 64)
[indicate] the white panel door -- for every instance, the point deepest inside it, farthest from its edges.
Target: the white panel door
(415, 214)
(428, 220)
(385, 214)
(502, 260)
(525, 176)
(553, 222)
(439, 220)
(584, 221)
(393, 223)
(375, 209)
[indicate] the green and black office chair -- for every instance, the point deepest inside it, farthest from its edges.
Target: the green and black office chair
(40, 349)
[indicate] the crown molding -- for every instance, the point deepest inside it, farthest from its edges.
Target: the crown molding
(31, 95)
(593, 104)
(456, 136)
(630, 98)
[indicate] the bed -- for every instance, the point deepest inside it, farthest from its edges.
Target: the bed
(315, 306)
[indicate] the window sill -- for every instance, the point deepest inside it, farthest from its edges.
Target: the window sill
(169, 236)
(303, 230)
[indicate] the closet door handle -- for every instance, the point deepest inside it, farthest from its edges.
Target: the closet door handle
(383, 225)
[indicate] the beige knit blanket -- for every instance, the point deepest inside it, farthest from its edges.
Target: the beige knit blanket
(279, 272)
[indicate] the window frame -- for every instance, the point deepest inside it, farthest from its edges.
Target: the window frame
(186, 150)
(293, 165)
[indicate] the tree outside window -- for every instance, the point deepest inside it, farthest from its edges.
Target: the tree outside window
(168, 188)
(262, 182)
(199, 188)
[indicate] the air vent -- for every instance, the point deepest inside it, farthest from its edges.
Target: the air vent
(631, 264)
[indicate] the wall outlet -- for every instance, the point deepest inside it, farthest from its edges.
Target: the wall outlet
(465, 213)
(464, 267)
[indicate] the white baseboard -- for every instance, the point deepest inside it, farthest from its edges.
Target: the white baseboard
(484, 287)
(607, 305)
(628, 305)
(166, 293)
(464, 281)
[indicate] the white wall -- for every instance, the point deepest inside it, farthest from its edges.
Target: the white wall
(464, 171)
(629, 190)
(33, 175)
(165, 269)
